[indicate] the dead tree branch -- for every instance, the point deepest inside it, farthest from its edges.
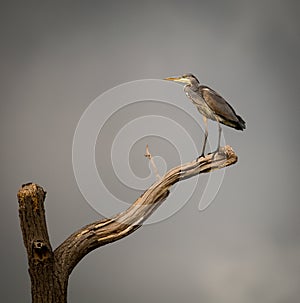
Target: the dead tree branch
(53, 268)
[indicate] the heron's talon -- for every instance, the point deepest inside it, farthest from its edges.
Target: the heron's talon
(214, 154)
(201, 156)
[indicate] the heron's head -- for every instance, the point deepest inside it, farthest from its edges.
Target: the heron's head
(189, 79)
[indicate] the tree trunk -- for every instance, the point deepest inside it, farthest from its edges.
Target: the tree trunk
(46, 284)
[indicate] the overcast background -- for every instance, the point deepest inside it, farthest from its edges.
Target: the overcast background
(56, 58)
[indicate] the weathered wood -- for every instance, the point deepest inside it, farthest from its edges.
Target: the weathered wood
(45, 285)
(49, 271)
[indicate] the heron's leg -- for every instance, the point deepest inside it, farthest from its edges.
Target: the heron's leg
(220, 132)
(219, 139)
(205, 137)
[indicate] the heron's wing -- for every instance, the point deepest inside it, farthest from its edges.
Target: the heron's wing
(218, 104)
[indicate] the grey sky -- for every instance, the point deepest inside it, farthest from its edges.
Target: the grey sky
(56, 58)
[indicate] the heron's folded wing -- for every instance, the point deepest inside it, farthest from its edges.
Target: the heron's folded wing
(218, 104)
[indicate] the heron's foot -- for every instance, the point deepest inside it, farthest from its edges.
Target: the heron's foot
(215, 153)
(219, 151)
(201, 156)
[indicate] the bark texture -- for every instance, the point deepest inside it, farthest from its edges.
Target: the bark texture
(50, 270)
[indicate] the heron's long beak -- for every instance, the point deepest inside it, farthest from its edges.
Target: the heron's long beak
(178, 79)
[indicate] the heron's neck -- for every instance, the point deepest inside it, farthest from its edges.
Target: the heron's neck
(193, 86)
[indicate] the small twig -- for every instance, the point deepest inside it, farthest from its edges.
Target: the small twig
(149, 156)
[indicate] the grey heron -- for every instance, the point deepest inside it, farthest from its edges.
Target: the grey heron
(211, 105)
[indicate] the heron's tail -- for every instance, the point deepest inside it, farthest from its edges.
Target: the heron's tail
(240, 124)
